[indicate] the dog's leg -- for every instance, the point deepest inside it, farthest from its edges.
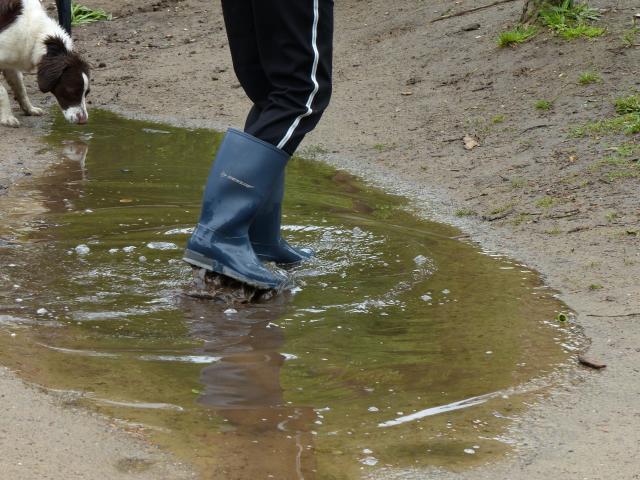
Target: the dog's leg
(14, 78)
(6, 117)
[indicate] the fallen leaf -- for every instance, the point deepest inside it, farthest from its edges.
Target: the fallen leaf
(125, 200)
(470, 143)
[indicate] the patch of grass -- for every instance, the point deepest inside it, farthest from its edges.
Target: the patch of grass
(595, 286)
(382, 147)
(465, 212)
(502, 209)
(621, 165)
(586, 31)
(519, 34)
(629, 124)
(626, 149)
(633, 125)
(587, 78)
(497, 119)
(571, 20)
(567, 13)
(622, 174)
(611, 216)
(521, 218)
(545, 202)
(544, 105)
(518, 183)
(611, 160)
(629, 37)
(554, 231)
(81, 15)
(630, 104)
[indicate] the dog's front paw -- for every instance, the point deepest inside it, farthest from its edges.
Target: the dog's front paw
(34, 112)
(9, 121)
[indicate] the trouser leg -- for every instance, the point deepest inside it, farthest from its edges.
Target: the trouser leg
(64, 14)
(252, 117)
(282, 54)
(243, 43)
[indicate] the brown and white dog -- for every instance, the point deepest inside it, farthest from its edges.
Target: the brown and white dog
(30, 40)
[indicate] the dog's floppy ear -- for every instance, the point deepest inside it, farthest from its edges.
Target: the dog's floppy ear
(52, 64)
(50, 70)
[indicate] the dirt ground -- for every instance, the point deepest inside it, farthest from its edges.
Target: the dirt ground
(406, 92)
(41, 437)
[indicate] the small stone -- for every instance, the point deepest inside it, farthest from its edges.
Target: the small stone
(470, 27)
(82, 249)
(469, 451)
(420, 260)
(373, 409)
(142, 259)
(42, 311)
(230, 311)
(369, 461)
(128, 249)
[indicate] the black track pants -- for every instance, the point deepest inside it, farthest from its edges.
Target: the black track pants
(64, 14)
(282, 55)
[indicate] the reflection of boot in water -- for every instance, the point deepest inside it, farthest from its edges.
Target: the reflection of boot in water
(243, 380)
(266, 438)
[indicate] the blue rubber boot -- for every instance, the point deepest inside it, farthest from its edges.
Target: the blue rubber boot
(265, 231)
(242, 178)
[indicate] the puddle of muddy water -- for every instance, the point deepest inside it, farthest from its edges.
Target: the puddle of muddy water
(399, 346)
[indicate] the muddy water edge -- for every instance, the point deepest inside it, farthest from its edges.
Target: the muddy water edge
(399, 345)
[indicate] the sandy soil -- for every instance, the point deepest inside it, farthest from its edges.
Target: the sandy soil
(407, 91)
(43, 438)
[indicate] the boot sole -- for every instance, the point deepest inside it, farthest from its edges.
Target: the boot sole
(198, 260)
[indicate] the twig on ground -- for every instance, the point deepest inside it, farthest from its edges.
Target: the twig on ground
(568, 213)
(543, 125)
(591, 363)
(498, 216)
(614, 316)
(471, 10)
(483, 87)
